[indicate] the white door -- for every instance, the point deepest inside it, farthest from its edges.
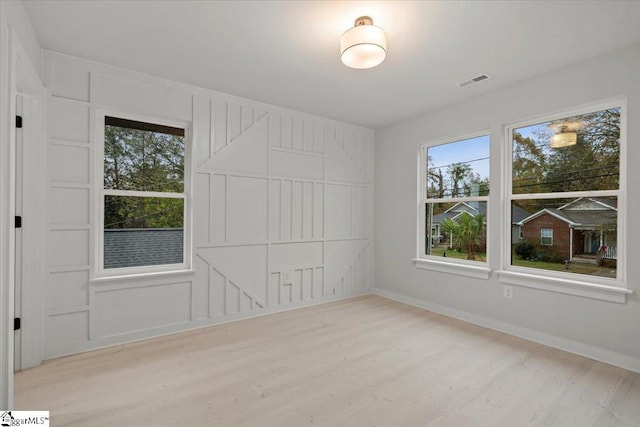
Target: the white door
(17, 362)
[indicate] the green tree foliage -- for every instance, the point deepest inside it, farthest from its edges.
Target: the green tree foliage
(143, 212)
(143, 160)
(528, 164)
(594, 162)
(524, 249)
(459, 174)
(468, 232)
(591, 164)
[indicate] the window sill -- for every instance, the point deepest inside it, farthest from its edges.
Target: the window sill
(566, 286)
(476, 271)
(141, 276)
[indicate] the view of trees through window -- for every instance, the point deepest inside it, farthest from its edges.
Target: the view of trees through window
(587, 164)
(457, 189)
(143, 193)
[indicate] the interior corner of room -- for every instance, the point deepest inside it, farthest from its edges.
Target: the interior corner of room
(348, 186)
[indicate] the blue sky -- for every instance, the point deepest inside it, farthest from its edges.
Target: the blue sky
(468, 150)
(534, 131)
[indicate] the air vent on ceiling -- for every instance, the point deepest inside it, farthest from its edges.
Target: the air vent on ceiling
(474, 80)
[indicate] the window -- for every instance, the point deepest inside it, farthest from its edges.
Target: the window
(143, 198)
(565, 192)
(454, 196)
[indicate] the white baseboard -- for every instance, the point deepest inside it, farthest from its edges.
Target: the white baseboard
(592, 352)
(130, 337)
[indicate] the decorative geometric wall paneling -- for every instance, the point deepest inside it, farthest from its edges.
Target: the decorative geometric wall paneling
(240, 118)
(281, 209)
(65, 333)
(297, 133)
(347, 159)
(238, 139)
(69, 151)
(303, 206)
(304, 284)
(296, 210)
(117, 311)
(237, 276)
(347, 265)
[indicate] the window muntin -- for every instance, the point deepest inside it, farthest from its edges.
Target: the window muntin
(572, 191)
(546, 236)
(455, 195)
(143, 199)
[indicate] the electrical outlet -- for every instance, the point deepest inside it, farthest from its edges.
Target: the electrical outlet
(508, 291)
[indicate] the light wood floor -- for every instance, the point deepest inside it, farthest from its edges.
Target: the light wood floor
(367, 361)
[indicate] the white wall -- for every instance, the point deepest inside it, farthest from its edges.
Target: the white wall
(601, 329)
(13, 14)
(274, 190)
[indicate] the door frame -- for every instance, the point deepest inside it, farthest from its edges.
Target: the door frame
(21, 77)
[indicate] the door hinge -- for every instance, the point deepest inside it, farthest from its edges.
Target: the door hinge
(19, 122)
(16, 323)
(18, 222)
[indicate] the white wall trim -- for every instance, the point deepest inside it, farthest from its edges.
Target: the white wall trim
(34, 207)
(7, 108)
(142, 276)
(178, 328)
(19, 76)
(565, 286)
(454, 267)
(592, 352)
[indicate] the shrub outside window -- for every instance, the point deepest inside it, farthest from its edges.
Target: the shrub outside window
(143, 196)
(564, 194)
(455, 183)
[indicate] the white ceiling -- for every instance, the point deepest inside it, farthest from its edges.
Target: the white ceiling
(286, 52)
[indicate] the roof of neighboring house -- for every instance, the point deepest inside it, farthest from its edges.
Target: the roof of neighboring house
(583, 211)
(141, 247)
(518, 214)
(591, 203)
(589, 218)
(474, 208)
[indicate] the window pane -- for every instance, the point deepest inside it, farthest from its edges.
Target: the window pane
(586, 154)
(458, 169)
(576, 235)
(457, 230)
(143, 156)
(140, 231)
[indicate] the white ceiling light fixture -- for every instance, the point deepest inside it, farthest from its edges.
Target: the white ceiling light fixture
(364, 45)
(564, 138)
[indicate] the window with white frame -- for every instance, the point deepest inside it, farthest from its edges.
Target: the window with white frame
(565, 191)
(143, 199)
(454, 196)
